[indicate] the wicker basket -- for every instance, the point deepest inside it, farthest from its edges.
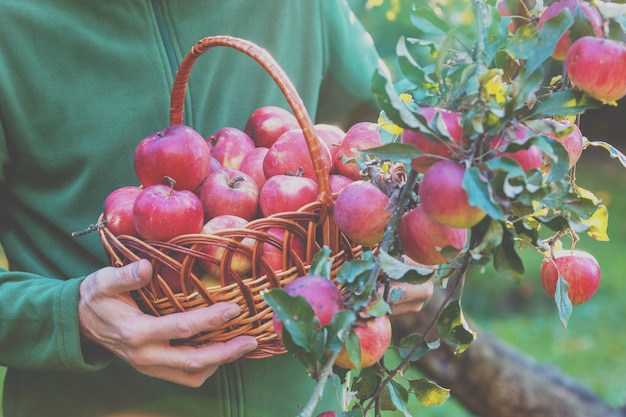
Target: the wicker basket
(313, 223)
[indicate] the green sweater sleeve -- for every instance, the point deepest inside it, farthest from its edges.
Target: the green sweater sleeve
(56, 342)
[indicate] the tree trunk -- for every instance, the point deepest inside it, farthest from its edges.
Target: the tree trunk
(492, 379)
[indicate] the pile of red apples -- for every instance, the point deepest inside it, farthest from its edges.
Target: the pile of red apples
(190, 184)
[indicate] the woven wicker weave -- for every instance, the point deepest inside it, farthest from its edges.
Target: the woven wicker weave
(313, 223)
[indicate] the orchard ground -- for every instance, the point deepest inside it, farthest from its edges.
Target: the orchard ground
(591, 350)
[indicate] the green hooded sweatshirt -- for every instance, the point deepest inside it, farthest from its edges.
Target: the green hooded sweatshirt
(81, 83)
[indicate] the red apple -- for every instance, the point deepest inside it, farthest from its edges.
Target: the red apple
(252, 165)
(374, 336)
(434, 150)
(267, 123)
(178, 152)
(598, 67)
(332, 136)
(162, 213)
(273, 255)
(580, 270)
(531, 158)
(443, 197)
(361, 136)
(290, 154)
(118, 210)
(573, 141)
(229, 191)
(361, 212)
(240, 263)
(589, 13)
(338, 182)
(229, 146)
(423, 238)
(320, 292)
(283, 193)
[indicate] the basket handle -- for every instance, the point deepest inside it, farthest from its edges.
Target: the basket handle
(261, 56)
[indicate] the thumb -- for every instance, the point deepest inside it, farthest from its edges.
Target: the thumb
(126, 278)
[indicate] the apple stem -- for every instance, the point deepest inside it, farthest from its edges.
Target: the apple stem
(90, 228)
(298, 173)
(234, 182)
(171, 182)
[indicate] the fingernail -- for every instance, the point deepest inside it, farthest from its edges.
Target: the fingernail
(136, 276)
(232, 312)
(249, 347)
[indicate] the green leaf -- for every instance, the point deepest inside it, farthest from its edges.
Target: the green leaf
(409, 67)
(355, 275)
(296, 315)
(616, 13)
(523, 43)
(558, 156)
(442, 56)
(480, 194)
(428, 22)
(365, 383)
(491, 236)
(582, 207)
(556, 223)
(353, 348)
(356, 270)
(377, 308)
(322, 263)
(429, 393)
(529, 84)
(453, 327)
(496, 33)
(338, 330)
(397, 152)
(399, 397)
(389, 100)
(563, 303)
(581, 27)
(399, 271)
(506, 261)
(613, 152)
(549, 35)
(408, 346)
(568, 102)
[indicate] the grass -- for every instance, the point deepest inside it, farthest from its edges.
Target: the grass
(591, 349)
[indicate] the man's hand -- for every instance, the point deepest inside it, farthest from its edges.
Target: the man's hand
(109, 317)
(413, 297)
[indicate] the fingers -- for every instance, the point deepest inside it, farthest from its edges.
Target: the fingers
(193, 359)
(187, 324)
(110, 318)
(113, 281)
(413, 297)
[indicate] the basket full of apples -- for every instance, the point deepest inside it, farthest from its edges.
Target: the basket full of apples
(216, 231)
